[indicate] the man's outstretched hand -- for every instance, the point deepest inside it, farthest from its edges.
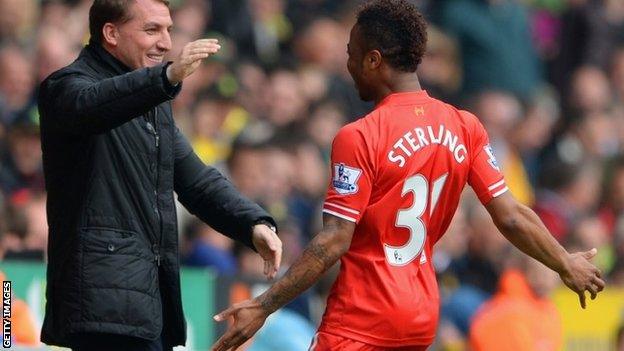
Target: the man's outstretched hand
(249, 316)
(269, 246)
(190, 58)
(581, 275)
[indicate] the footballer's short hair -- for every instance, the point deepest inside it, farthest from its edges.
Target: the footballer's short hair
(397, 29)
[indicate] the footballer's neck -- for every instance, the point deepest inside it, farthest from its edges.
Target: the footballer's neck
(398, 82)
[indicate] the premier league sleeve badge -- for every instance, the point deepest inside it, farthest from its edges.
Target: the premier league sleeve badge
(345, 179)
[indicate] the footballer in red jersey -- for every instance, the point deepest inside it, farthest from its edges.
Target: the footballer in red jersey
(397, 177)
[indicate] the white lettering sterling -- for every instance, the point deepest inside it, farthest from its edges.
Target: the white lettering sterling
(408, 145)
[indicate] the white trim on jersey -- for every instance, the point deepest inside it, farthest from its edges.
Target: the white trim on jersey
(496, 185)
(340, 215)
(500, 192)
(343, 208)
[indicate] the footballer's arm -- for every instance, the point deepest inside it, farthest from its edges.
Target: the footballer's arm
(320, 254)
(523, 228)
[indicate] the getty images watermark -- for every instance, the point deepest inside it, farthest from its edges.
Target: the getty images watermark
(6, 314)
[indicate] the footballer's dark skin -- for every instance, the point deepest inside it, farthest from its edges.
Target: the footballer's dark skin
(375, 79)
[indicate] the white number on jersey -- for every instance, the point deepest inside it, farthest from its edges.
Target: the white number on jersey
(411, 219)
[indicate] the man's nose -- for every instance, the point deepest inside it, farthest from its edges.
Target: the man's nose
(164, 43)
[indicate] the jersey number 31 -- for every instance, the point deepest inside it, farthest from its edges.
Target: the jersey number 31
(411, 218)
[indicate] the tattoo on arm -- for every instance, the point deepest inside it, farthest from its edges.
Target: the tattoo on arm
(322, 252)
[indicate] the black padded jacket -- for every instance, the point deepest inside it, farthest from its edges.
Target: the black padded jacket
(112, 159)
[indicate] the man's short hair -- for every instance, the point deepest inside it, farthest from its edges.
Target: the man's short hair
(397, 29)
(109, 11)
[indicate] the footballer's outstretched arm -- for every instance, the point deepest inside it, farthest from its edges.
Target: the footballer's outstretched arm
(523, 228)
(320, 254)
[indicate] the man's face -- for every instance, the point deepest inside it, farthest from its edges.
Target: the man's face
(144, 40)
(355, 65)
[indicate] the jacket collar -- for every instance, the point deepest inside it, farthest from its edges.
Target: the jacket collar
(97, 50)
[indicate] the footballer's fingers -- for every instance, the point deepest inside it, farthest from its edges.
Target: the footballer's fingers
(581, 295)
(600, 284)
(223, 315)
(231, 340)
(593, 291)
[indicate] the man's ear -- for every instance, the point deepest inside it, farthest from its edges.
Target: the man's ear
(373, 59)
(110, 34)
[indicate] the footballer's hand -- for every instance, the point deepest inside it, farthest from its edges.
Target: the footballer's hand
(581, 275)
(249, 316)
(190, 58)
(269, 246)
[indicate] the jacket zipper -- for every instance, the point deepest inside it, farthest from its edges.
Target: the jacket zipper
(154, 129)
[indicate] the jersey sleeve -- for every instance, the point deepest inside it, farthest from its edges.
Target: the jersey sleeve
(349, 188)
(485, 176)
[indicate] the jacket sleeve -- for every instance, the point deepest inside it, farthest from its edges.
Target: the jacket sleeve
(75, 103)
(206, 193)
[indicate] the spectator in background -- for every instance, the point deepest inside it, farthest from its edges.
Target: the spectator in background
(520, 316)
(287, 102)
(612, 207)
(22, 167)
(589, 230)
(320, 47)
(205, 247)
(216, 122)
(591, 31)
(323, 124)
(16, 84)
(534, 132)
(246, 167)
(500, 114)
(53, 51)
(440, 72)
(17, 20)
(590, 92)
(568, 192)
(495, 42)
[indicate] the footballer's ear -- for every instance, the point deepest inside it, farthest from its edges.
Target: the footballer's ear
(372, 60)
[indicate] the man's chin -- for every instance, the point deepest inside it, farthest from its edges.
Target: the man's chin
(151, 63)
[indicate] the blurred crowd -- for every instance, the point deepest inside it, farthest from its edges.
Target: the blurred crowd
(546, 78)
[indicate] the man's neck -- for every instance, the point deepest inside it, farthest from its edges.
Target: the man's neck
(400, 83)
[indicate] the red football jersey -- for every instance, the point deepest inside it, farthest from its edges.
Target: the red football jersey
(398, 173)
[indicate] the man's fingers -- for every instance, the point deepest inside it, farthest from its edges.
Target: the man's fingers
(231, 340)
(582, 298)
(236, 343)
(226, 313)
(590, 254)
(225, 342)
(194, 58)
(598, 273)
(205, 40)
(593, 291)
(278, 255)
(204, 50)
(599, 283)
(200, 46)
(202, 42)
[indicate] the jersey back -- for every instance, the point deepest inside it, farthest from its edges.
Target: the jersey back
(398, 173)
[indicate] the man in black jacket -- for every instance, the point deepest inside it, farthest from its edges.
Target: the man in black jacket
(112, 159)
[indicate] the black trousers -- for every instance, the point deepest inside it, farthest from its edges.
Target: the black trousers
(109, 342)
